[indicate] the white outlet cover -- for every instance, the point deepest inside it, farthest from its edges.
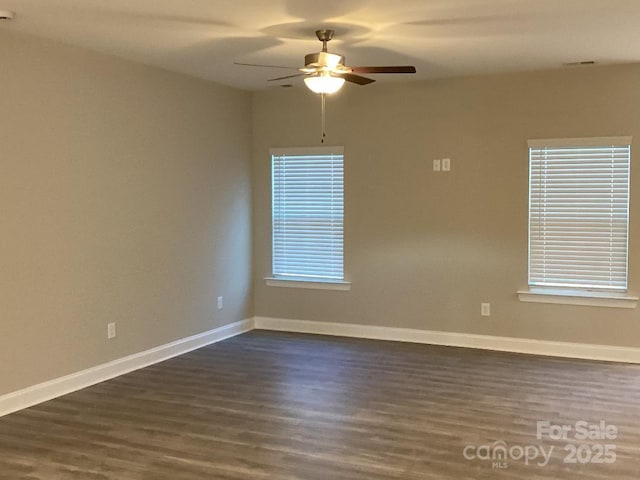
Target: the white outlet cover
(219, 303)
(485, 309)
(436, 165)
(446, 164)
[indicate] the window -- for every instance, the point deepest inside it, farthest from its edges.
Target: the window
(578, 213)
(308, 214)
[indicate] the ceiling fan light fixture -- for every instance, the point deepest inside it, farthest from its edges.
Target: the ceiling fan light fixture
(324, 83)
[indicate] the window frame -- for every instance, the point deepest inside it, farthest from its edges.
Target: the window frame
(567, 294)
(310, 282)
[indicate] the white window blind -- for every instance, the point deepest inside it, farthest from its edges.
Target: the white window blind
(308, 213)
(578, 213)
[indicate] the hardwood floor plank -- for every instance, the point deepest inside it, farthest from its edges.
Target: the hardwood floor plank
(269, 405)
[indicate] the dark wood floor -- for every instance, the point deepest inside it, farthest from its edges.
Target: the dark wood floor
(282, 406)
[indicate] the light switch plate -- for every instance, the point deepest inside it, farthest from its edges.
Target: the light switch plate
(111, 330)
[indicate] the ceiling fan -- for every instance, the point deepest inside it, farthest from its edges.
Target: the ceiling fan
(326, 72)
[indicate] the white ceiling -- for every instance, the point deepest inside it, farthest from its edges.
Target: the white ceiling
(442, 38)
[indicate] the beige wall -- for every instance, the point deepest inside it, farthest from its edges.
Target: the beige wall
(124, 196)
(424, 249)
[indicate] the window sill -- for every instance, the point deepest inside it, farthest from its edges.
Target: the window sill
(315, 285)
(577, 297)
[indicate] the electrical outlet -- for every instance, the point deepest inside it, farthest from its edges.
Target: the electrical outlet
(219, 303)
(436, 165)
(111, 330)
(446, 164)
(485, 309)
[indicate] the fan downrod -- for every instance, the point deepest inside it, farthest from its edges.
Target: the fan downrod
(325, 36)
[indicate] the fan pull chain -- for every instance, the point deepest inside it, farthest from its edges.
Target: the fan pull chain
(324, 133)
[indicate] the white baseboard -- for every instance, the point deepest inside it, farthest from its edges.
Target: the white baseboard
(484, 342)
(12, 402)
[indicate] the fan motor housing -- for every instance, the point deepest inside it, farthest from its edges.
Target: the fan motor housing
(323, 59)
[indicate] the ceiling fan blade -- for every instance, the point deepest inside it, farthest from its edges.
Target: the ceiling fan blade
(264, 66)
(398, 69)
(288, 76)
(357, 79)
